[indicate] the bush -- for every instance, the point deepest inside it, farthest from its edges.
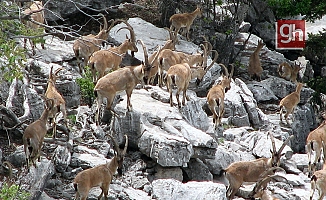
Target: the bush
(86, 87)
(13, 192)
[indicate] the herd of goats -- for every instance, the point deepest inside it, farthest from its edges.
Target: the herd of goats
(179, 69)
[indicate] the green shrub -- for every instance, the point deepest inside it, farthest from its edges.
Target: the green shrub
(86, 87)
(13, 192)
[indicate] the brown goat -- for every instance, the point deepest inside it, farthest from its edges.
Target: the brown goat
(59, 103)
(184, 20)
(288, 71)
(86, 45)
(153, 59)
(101, 175)
(34, 134)
(179, 75)
(254, 69)
(216, 95)
(290, 102)
(315, 142)
(109, 59)
(35, 10)
(167, 58)
(122, 79)
(251, 171)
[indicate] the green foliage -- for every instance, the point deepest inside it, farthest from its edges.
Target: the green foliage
(315, 49)
(12, 54)
(318, 84)
(312, 9)
(72, 119)
(86, 86)
(13, 192)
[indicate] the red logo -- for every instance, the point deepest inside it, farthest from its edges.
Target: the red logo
(290, 34)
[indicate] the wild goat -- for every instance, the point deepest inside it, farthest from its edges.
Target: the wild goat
(101, 175)
(153, 59)
(35, 10)
(318, 180)
(184, 20)
(59, 104)
(86, 45)
(122, 79)
(216, 95)
(110, 59)
(315, 142)
(289, 72)
(180, 75)
(254, 69)
(251, 171)
(290, 102)
(34, 134)
(167, 58)
(260, 191)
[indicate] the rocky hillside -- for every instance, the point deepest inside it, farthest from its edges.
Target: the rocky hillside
(173, 153)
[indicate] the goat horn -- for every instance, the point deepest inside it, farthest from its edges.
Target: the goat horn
(264, 182)
(157, 54)
(273, 143)
(58, 70)
(105, 27)
(213, 61)
(269, 170)
(232, 70)
(225, 69)
(145, 52)
(284, 144)
(132, 33)
(171, 34)
(116, 146)
(126, 146)
(204, 63)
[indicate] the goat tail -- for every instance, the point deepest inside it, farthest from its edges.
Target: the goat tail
(76, 186)
(28, 140)
(313, 178)
(173, 77)
(223, 171)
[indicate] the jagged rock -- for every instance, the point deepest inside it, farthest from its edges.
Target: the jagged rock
(301, 161)
(61, 9)
(35, 181)
(168, 173)
(24, 101)
(18, 158)
(62, 158)
(165, 149)
(87, 158)
(173, 189)
(304, 122)
(197, 171)
(222, 160)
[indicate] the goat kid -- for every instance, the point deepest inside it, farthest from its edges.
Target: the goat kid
(252, 171)
(184, 20)
(289, 72)
(109, 59)
(59, 104)
(101, 175)
(290, 102)
(36, 13)
(255, 69)
(122, 79)
(216, 95)
(34, 135)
